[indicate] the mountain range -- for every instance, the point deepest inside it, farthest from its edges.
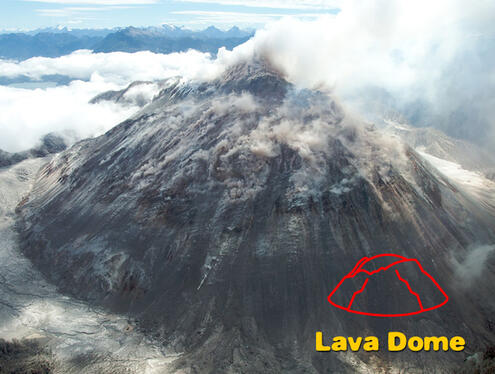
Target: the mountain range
(55, 42)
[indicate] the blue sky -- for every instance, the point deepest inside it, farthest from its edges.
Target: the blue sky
(32, 14)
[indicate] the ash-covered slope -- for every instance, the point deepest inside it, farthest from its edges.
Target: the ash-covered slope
(224, 213)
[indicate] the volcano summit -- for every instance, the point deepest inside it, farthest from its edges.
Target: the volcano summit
(221, 215)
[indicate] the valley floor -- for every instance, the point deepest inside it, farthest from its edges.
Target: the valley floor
(74, 337)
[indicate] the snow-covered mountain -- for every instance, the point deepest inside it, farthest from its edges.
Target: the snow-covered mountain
(166, 39)
(59, 41)
(223, 214)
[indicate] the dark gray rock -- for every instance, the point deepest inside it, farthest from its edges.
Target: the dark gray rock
(25, 356)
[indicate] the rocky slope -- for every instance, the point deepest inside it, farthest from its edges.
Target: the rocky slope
(223, 214)
(49, 144)
(43, 331)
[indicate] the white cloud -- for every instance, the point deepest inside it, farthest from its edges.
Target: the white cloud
(430, 59)
(240, 19)
(53, 12)
(276, 4)
(98, 2)
(73, 11)
(116, 67)
(333, 49)
(29, 114)
(200, 19)
(223, 14)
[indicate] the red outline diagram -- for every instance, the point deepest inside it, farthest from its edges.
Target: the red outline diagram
(359, 269)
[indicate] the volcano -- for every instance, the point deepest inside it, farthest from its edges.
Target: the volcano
(220, 216)
(407, 301)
